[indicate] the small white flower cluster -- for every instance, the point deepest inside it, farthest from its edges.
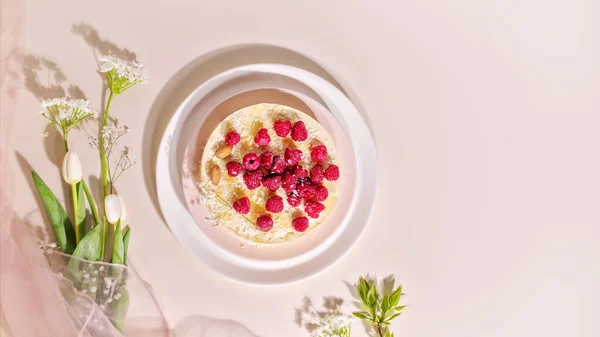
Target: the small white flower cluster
(123, 163)
(110, 134)
(333, 325)
(113, 131)
(66, 113)
(122, 74)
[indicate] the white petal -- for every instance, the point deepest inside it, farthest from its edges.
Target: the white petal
(112, 208)
(71, 168)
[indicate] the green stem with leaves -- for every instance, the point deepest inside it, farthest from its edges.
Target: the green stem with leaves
(105, 173)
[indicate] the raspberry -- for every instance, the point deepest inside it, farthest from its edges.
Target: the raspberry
(294, 199)
(313, 208)
(264, 222)
(298, 172)
(279, 165)
(252, 179)
(300, 224)
(233, 168)
(292, 156)
(319, 153)
(266, 159)
(321, 193)
(332, 173)
(299, 132)
(242, 205)
(232, 138)
(262, 137)
(272, 182)
(282, 128)
(251, 161)
(288, 182)
(274, 204)
(306, 189)
(317, 174)
(256, 174)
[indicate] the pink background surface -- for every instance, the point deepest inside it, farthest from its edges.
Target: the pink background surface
(486, 116)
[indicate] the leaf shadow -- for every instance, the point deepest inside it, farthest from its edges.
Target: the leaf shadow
(308, 316)
(99, 45)
(45, 79)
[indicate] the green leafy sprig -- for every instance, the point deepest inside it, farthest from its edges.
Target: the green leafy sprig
(376, 309)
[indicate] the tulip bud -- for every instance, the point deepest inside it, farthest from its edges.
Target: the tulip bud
(123, 209)
(71, 168)
(112, 208)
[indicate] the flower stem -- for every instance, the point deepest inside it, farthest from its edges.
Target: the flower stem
(104, 163)
(75, 223)
(65, 135)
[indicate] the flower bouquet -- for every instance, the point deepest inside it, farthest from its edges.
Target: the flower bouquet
(91, 246)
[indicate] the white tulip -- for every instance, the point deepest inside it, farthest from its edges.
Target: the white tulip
(123, 209)
(112, 208)
(71, 168)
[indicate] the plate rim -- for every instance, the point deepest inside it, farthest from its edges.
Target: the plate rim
(367, 144)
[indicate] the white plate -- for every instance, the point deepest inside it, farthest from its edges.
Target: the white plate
(194, 111)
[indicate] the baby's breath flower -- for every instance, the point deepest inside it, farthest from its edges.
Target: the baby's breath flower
(121, 74)
(66, 113)
(113, 131)
(333, 325)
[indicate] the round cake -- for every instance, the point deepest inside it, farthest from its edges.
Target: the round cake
(268, 174)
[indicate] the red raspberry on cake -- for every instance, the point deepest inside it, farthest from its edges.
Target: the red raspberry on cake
(292, 156)
(317, 174)
(279, 165)
(306, 188)
(233, 168)
(298, 172)
(300, 224)
(251, 161)
(242, 205)
(252, 179)
(274, 204)
(266, 160)
(232, 138)
(299, 132)
(272, 182)
(262, 137)
(288, 182)
(321, 193)
(264, 222)
(318, 153)
(282, 127)
(313, 208)
(332, 173)
(293, 199)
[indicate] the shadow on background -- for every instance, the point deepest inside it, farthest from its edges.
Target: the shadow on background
(308, 316)
(192, 75)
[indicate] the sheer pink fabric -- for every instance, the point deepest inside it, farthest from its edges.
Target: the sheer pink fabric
(46, 293)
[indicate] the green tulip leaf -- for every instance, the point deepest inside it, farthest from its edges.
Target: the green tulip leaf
(90, 247)
(126, 243)
(120, 310)
(118, 254)
(80, 221)
(91, 202)
(61, 224)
